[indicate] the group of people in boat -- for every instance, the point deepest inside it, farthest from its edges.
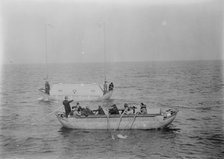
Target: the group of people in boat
(77, 110)
(127, 109)
(110, 88)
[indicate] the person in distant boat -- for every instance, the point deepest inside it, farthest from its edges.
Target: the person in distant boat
(67, 107)
(105, 87)
(47, 87)
(143, 109)
(111, 86)
(100, 110)
(114, 109)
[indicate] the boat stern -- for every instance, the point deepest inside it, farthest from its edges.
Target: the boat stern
(168, 116)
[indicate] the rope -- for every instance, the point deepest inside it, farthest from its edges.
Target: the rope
(120, 121)
(132, 122)
(44, 117)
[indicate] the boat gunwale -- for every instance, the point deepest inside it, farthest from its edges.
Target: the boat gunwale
(118, 116)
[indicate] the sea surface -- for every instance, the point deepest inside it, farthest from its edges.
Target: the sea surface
(29, 129)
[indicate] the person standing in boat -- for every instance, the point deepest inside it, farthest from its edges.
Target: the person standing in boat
(67, 107)
(105, 87)
(111, 86)
(47, 87)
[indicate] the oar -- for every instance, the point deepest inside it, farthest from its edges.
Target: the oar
(44, 117)
(120, 120)
(108, 123)
(125, 136)
(133, 121)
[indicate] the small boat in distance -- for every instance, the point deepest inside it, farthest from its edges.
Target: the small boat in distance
(154, 119)
(77, 92)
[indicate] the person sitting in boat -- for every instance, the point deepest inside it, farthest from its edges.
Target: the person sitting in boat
(114, 109)
(75, 111)
(143, 109)
(105, 87)
(127, 109)
(133, 109)
(81, 110)
(89, 111)
(47, 87)
(111, 86)
(67, 107)
(77, 105)
(100, 111)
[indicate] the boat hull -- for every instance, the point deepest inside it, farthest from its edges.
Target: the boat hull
(134, 121)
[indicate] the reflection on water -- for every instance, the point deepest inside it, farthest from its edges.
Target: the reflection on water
(139, 142)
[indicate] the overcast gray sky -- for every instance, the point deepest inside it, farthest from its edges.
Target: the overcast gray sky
(134, 30)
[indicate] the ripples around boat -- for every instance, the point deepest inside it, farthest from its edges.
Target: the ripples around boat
(194, 88)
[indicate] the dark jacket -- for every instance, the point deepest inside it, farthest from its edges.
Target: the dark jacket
(47, 88)
(67, 107)
(100, 111)
(114, 110)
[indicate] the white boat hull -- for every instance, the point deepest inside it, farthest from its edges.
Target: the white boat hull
(133, 121)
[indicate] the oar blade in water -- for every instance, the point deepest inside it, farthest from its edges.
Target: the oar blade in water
(122, 136)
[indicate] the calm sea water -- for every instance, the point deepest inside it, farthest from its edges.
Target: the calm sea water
(28, 130)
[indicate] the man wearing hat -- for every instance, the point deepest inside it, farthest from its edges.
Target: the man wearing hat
(67, 107)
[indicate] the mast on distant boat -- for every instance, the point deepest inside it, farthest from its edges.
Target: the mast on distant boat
(46, 57)
(46, 48)
(104, 50)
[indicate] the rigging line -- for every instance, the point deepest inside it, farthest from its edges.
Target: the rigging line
(46, 49)
(44, 117)
(132, 122)
(108, 122)
(104, 49)
(120, 120)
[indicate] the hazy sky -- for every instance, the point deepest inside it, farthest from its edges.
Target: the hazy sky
(138, 30)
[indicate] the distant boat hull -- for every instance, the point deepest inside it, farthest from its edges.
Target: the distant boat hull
(134, 121)
(77, 92)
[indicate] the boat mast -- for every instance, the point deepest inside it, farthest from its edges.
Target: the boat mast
(104, 50)
(46, 57)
